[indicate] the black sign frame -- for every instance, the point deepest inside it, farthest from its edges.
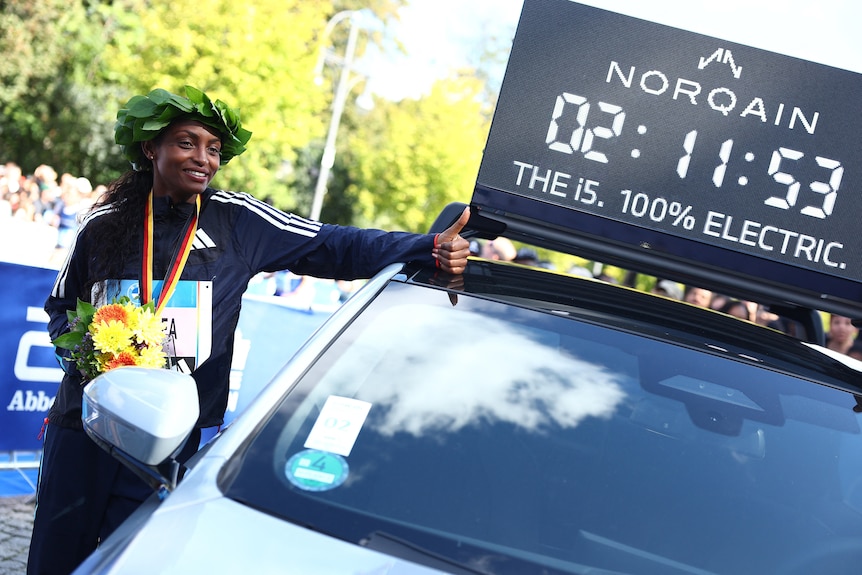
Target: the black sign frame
(712, 162)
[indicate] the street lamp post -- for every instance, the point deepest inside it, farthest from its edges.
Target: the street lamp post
(343, 88)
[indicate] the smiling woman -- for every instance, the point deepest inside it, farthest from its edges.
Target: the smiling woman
(162, 220)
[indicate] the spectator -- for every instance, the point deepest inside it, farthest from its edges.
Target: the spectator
(668, 288)
(855, 350)
(298, 291)
(736, 308)
(842, 333)
(499, 249)
(580, 271)
(46, 204)
(45, 176)
(26, 208)
(348, 288)
(527, 257)
(718, 301)
(13, 177)
(71, 204)
(85, 192)
(698, 296)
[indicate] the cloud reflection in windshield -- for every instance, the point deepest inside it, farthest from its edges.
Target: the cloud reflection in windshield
(493, 370)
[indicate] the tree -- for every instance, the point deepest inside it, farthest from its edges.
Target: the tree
(50, 103)
(258, 55)
(396, 166)
(410, 158)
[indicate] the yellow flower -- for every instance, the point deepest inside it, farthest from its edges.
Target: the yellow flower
(146, 326)
(111, 337)
(152, 356)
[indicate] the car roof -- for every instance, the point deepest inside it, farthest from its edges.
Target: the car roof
(786, 298)
(649, 315)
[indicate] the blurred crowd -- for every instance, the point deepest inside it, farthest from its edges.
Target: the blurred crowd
(841, 334)
(46, 198)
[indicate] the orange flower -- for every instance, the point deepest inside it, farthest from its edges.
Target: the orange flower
(121, 359)
(114, 311)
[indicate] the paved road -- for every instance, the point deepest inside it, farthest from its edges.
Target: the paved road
(16, 521)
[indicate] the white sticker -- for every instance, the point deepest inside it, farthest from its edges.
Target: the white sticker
(338, 425)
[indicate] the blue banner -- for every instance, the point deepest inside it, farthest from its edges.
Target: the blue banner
(268, 334)
(29, 373)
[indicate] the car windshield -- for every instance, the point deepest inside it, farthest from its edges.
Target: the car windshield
(511, 440)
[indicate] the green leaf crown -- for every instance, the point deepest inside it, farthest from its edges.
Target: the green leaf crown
(144, 117)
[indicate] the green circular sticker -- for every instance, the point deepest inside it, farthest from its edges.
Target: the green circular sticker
(313, 470)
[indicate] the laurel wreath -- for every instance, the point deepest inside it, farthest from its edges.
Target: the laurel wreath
(143, 117)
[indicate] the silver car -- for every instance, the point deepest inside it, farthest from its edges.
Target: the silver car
(514, 421)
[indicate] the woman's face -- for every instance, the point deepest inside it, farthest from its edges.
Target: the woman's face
(841, 328)
(185, 159)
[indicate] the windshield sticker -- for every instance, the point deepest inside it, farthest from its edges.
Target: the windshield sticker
(313, 470)
(338, 425)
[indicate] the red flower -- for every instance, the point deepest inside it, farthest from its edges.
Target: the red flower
(113, 311)
(121, 359)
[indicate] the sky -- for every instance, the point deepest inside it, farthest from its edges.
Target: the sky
(439, 33)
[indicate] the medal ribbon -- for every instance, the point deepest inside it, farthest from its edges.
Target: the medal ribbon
(177, 264)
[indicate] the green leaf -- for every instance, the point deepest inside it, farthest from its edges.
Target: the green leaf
(160, 96)
(123, 135)
(169, 113)
(154, 125)
(140, 107)
(181, 103)
(139, 134)
(69, 340)
(195, 95)
(85, 312)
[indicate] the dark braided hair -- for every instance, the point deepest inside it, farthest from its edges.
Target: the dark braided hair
(115, 236)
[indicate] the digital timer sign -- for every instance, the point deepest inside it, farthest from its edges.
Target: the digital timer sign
(685, 134)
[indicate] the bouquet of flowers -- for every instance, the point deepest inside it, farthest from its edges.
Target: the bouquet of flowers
(115, 334)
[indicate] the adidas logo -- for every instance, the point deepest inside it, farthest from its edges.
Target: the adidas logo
(202, 241)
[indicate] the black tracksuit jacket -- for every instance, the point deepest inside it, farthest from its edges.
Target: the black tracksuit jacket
(237, 237)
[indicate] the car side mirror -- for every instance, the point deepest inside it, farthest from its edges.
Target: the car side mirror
(142, 416)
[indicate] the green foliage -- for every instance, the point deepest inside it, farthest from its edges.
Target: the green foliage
(77, 339)
(412, 157)
(79, 321)
(256, 56)
(69, 66)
